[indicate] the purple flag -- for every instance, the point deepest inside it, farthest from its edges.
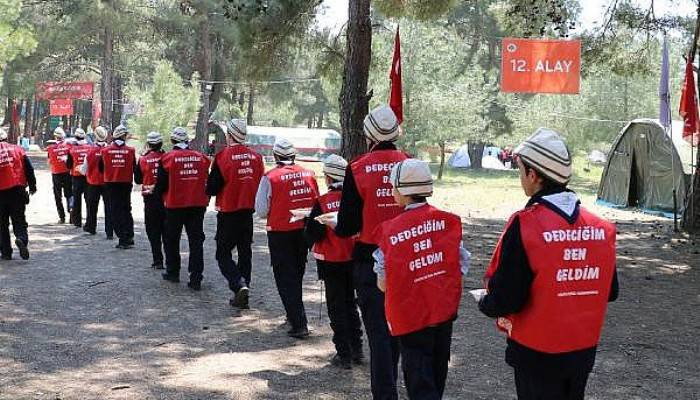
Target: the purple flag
(664, 95)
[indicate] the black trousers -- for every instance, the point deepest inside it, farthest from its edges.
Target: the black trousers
(120, 207)
(425, 355)
(192, 219)
(79, 185)
(383, 348)
(532, 385)
(235, 231)
(342, 307)
(62, 187)
(92, 204)
(154, 219)
(288, 251)
(13, 203)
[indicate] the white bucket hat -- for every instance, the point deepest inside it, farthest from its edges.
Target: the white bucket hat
(381, 125)
(120, 132)
(154, 138)
(546, 152)
(283, 148)
(180, 135)
(412, 177)
(237, 129)
(334, 166)
(101, 133)
(59, 132)
(79, 133)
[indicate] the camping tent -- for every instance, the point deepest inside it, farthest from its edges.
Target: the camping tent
(645, 165)
(460, 158)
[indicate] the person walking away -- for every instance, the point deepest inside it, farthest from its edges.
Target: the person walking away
(333, 256)
(16, 174)
(95, 185)
(419, 265)
(286, 187)
(366, 202)
(182, 180)
(60, 173)
(118, 163)
(153, 208)
(551, 277)
(234, 180)
(76, 158)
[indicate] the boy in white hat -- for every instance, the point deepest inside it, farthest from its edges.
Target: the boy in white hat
(419, 265)
(367, 201)
(181, 182)
(95, 185)
(287, 187)
(57, 153)
(334, 264)
(153, 209)
(74, 162)
(234, 180)
(551, 277)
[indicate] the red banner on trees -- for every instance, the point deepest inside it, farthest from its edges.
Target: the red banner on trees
(540, 66)
(64, 90)
(60, 107)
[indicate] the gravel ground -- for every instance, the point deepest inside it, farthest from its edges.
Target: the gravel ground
(82, 320)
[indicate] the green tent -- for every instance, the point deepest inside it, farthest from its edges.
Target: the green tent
(645, 165)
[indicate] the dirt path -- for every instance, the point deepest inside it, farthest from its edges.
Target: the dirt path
(82, 320)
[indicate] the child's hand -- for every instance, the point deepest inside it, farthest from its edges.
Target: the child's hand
(381, 284)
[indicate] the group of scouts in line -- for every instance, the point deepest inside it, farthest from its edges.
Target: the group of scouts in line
(376, 240)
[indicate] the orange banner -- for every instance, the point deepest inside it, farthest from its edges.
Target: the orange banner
(540, 66)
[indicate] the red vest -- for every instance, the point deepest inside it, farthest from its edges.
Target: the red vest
(292, 187)
(573, 266)
(119, 163)
(93, 175)
(58, 153)
(11, 166)
(423, 275)
(332, 248)
(78, 153)
(187, 178)
(371, 172)
(241, 169)
(148, 163)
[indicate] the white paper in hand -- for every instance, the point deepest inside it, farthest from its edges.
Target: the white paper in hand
(299, 213)
(478, 294)
(330, 218)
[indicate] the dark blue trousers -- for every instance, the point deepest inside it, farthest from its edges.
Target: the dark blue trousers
(288, 252)
(425, 355)
(383, 348)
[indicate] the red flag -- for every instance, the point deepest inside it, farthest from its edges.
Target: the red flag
(689, 106)
(395, 99)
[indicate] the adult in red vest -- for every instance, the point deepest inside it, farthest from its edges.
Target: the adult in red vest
(60, 174)
(95, 185)
(76, 158)
(16, 174)
(118, 164)
(153, 208)
(551, 277)
(287, 187)
(333, 256)
(419, 265)
(234, 180)
(182, 181)
(367, 194)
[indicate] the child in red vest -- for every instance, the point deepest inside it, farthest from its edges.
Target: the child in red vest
(334, 264)
(419, 265)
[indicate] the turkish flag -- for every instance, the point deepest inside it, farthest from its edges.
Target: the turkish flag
(395, 99)
(689, 106)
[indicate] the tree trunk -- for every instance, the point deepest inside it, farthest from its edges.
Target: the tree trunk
(476, 153)
(106, 70)
(442, 160)
(29, 117)
(691, 215)
(204, 69)
(219, 73)
(251, 105)
(319, 121)
(118, 105)
(354, 99)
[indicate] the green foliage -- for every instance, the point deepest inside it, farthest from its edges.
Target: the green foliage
(422, 10)
(165, 104)
(16, 37)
